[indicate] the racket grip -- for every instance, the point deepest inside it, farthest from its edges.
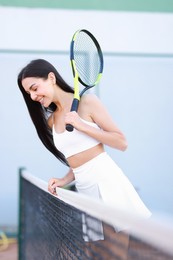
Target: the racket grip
(75, 104)
(74, 107)
(69, 127)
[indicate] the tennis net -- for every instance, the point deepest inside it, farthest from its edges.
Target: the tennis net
(73, 226)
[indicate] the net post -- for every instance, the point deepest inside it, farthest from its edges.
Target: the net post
(20, 170)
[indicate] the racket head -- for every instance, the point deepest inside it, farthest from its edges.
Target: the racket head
(86, 58)
(87, 65)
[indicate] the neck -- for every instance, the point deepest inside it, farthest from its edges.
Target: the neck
(63, 100)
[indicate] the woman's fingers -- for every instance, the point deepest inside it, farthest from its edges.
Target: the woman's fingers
(52, 184)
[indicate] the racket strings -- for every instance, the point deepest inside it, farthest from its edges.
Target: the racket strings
(87, 59)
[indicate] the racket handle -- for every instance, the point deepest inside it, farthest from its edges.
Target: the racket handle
(74, 107)
(69, 127)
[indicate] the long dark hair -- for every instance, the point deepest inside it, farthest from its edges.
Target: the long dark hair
(40, 69)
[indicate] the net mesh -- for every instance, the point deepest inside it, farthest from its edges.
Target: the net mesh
(88, 59)
(53, 229)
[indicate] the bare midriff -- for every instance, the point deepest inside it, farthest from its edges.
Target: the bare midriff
(85, 156)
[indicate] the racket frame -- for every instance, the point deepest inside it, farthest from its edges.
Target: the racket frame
(76, 77)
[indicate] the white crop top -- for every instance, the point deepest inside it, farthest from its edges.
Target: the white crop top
(70, 143)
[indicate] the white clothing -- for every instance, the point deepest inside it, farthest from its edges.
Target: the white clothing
(70, 143)
(101, 178)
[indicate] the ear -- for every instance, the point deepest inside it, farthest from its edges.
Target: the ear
(52, 77)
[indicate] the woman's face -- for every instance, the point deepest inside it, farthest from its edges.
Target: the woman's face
(39, 89)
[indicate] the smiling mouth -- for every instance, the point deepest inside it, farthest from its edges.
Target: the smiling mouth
(41, 101)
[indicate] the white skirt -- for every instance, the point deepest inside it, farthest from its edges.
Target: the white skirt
(101, 178)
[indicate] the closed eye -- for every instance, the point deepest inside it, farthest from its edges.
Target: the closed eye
(33, 88)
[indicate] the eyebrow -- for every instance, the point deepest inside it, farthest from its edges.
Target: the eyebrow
(30, 88)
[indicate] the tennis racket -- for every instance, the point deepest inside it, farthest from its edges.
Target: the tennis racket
(86, 60)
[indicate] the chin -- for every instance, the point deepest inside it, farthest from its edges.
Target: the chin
(45, 105)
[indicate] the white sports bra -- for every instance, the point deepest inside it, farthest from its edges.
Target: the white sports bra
(70, 143)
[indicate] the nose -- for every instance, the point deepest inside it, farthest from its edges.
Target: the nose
(33, 96)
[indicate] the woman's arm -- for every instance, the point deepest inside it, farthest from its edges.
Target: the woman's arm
(92, 109)
(61, 182)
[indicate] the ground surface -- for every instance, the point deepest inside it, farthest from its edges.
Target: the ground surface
(11, 253)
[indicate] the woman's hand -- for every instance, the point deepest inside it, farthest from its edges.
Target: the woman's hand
(61, 182)
(73, 119)
(53, 183)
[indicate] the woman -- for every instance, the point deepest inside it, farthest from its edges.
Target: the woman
(94, 172)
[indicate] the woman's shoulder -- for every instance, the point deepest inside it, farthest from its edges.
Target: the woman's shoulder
(89, 98)
(90, 104)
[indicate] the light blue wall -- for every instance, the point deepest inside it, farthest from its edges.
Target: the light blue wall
(20, 146)
(136, 88)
